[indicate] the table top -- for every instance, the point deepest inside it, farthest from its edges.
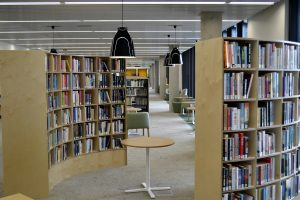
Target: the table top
(148, 142)
(133, 109)
(191, 108)
(16, 197)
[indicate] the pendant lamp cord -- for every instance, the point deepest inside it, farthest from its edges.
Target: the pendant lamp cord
(122, 13)
(52, 36)
(175, 34)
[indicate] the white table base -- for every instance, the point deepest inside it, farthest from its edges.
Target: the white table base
(146, 186)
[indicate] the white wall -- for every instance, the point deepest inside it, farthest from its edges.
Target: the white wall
(270, 24)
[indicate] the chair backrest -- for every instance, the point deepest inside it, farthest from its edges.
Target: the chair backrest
(137, 120)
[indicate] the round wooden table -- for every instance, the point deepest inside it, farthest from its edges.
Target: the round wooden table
(148, 142)
(133, 109)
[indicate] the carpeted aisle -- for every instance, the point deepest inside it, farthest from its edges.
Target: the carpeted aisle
(170, 166)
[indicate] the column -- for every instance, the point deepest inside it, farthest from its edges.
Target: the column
(211, 25)
(156, 76)
(175, 84)
(162, 78)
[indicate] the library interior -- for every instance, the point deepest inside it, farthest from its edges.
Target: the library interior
(139, 99)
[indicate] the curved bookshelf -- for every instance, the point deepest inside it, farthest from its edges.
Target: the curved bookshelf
(60, 131)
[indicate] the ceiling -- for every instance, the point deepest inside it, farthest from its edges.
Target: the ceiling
(88, 28)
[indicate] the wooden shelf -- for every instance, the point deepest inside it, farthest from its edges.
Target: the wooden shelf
(44, 165)
(210, 92)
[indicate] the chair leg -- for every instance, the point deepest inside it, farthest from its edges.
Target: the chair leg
(143, 132)
(148, 132)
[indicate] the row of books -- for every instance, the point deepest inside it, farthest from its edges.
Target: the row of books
(118, 126)
(237, 85)
(287, 138)
(288, 163)
(118, 80)
(104, 128)
(288, 84)
(58, 154)
(58, 136)
(237, 55)
(103, 81)
(78, 131)
(236, 176)
(273, 56)
(265, 114)
(265, 143)
(89, 113)
(137, 101)
(265, 170)
(118, 96)
(236, 116)
(235, 146)
(77, 115)
(237, 196)
(89, 145)
(53, 102)
(90, 129)
(78, 147)
(89, 64)
(65, 100)
(65, 80)
(290, 187)
(268, 85)
(65, 66)
(118, 111)
(56, 63)
(136, 83)
(104, 112)
(104, 143)
(88, 98)
(103, 97)
(118, 65)
(76, 65)
(266, 193)
(102, 66)
(288, 110)
(90, 81)
(66, 116)
(116, 143)
(136, 91)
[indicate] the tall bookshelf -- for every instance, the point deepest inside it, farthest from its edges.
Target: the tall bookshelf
(247, 123)
(137, 88)
(77, 118)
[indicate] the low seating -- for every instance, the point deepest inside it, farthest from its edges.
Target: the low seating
(138, 120)
(180, 103)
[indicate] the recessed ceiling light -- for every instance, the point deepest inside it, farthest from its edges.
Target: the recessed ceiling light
(147, 3)
(251, 3)
(29, 3)
(110, 20)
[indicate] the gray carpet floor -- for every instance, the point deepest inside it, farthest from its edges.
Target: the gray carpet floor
(170, 166)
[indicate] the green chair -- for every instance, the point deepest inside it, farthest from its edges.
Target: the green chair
(138, 120)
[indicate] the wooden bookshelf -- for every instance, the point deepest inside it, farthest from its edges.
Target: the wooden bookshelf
(81, 129)
(271, 131)
(137, 71)
(137, 88)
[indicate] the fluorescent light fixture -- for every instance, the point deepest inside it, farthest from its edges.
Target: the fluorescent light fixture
(250, 3)
(147, 3)
(29, 3)
(110, 20)
(70, 31)
(39, 39)
(69, 43)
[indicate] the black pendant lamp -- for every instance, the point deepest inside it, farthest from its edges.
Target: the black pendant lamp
(176, 57)
(53, 50)
(122, 44)
(167, 61)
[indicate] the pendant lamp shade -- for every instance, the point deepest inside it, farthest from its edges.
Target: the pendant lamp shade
(53, 50)
(122, 45)
(167, 61)
(176, 57)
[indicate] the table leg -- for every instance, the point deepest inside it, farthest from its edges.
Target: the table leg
(193, 116)
(147, 186)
